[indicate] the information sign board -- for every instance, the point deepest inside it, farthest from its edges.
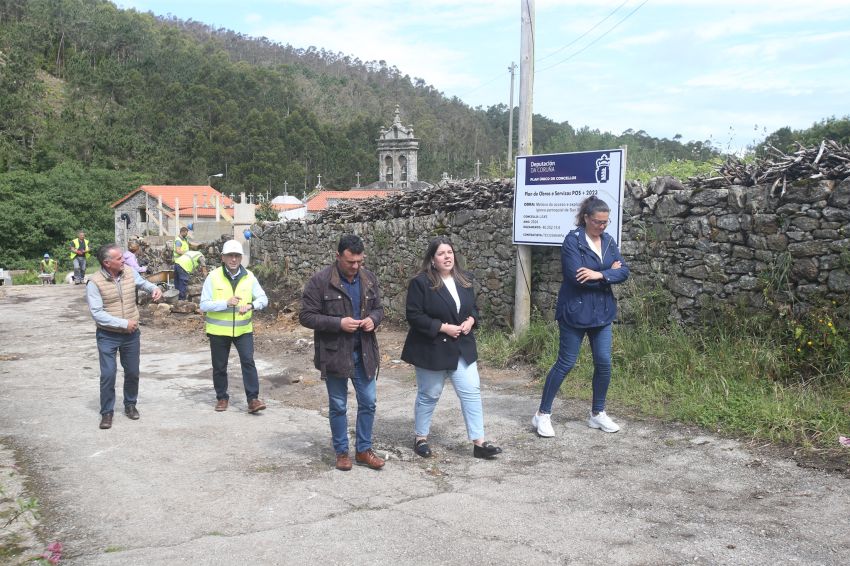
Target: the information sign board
(549, 189)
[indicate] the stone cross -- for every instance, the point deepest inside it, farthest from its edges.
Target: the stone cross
(319, 184)
(284, 187)
(358, 179)
(478, 169)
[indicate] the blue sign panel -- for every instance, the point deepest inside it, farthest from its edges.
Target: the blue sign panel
(568, 168)
(550, 189)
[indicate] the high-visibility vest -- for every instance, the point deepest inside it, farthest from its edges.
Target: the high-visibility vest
(48, 266)
(76, 243)
(230, 322)
(189, 261)
(182, 243)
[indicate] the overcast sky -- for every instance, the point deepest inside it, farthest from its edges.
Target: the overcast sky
(728, 71)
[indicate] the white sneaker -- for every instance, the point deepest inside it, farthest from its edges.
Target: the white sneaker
(602, 421)
(543, 424)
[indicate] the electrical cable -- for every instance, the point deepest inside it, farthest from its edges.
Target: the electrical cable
(482, 85)
(609, 30)
(582, 36)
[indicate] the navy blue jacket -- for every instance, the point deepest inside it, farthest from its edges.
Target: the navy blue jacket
(590, 304)
(427, 310)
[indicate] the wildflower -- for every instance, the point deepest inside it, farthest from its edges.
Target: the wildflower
(809, 342)
(54, 553)
(55, 546)
(829, 324)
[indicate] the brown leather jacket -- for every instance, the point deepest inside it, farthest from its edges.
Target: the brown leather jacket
(323, 306)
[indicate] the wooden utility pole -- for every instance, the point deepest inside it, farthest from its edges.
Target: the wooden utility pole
(522, 290)
(512, 69)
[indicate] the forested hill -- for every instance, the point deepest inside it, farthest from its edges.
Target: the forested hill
(83, 81)
(95, 100)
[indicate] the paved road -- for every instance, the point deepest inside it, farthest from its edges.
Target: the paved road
(187, 485)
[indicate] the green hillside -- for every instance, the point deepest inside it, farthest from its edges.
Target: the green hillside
(95, 100)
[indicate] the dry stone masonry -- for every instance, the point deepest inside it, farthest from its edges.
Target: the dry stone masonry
(781, 225)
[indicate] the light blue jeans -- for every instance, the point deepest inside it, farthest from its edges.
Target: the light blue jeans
(467, 385)
(569, 345)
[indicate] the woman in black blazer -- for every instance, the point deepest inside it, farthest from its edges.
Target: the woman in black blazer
(440, 344)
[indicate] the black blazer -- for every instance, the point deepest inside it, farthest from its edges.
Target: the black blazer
(427, 310)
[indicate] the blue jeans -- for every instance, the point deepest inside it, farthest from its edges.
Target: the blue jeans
(80, 268)
(181, 282)
(570, 342)
(467, 384)
(108, 345)
(366, 392)
(220, 352)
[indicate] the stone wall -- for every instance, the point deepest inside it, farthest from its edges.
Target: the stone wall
(698, 245)
(730, 244)
(394, 250)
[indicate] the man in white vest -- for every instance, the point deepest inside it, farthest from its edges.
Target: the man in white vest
(111, 294)
(229, 297)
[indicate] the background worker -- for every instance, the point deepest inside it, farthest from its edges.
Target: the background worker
(48, 267)
(184, 265)
(80, 252)
(131, 259)
(229, 298)
(181, 243)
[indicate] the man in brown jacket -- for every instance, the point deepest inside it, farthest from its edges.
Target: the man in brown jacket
(111, 294)
(342, 304)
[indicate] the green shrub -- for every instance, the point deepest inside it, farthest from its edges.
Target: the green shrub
(781, 379)
(29, 277)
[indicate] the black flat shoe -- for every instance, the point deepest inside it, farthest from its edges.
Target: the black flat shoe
(421, 448)
(487, 450)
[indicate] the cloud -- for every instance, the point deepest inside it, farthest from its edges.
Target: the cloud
(641, 40)
(253, 18)
(751, 80)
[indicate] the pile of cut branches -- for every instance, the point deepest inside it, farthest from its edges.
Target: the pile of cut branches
(828, 161)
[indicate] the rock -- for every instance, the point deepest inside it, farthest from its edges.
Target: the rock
(839, 281)
(184, 307)
(162, 309)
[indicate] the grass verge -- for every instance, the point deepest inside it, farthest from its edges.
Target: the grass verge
(735, 383)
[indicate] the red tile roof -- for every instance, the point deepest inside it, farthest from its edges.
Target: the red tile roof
(320, 201)
(185, 194)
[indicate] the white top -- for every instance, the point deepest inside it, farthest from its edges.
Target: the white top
(596, 249)
(449, 282)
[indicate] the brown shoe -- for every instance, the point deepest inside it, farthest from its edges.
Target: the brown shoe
(106, 421)
(343, 462)
(369, 458)
(221, 405)
(255, 405)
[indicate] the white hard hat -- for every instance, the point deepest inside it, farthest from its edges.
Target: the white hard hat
(231, 247)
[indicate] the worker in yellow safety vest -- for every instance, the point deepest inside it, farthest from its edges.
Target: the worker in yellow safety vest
(181, 243)
(229, 297)
(184, 265)
(80, 252)
(48, 268)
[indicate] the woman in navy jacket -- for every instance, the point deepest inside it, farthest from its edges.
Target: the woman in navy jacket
(440, 344)
(591, 263)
